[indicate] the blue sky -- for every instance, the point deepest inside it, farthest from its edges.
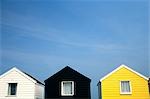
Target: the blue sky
(93, 37)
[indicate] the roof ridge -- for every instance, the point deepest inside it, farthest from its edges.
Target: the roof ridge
(121, 66)
(22, 73)
(67, 67)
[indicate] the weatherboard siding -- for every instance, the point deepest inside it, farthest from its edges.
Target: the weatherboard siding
(24, 86)
(39, 91)
(111, 86)
(149, 85)
(81, 85)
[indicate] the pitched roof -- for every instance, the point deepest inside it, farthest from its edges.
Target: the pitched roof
(28, 76)
(123, 66)
(67, 68)
(34, 78)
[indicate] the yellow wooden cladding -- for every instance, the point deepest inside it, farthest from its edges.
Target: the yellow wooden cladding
(111, 85)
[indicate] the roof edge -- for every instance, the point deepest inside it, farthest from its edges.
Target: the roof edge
(123, 66)
(20, 72)
(64, 69)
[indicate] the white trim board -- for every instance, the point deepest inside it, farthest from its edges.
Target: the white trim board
(20, 72)
(126, 93)
(123, 66)
(62, 92)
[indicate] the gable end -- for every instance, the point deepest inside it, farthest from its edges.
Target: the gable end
(67, 68)
(29, 77)
(123, 66)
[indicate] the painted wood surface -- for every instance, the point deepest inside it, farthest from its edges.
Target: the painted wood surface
(110, 86)
(81, 85)
(27, 88)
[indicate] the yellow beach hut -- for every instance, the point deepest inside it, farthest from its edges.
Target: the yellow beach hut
(123, 83)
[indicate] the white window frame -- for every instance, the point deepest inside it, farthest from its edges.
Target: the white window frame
(8, 94)
(128, 93)
(62, 92)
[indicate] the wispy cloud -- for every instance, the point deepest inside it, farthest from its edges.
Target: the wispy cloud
(29, 58)
(39, 30)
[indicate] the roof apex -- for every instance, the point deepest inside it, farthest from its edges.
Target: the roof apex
(28, 76)
(66, 68)
(123, 66)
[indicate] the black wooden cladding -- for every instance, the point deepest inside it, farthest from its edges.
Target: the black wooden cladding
(81, 85)
(149, 85)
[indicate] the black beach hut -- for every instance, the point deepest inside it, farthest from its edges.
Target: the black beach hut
(67, 84)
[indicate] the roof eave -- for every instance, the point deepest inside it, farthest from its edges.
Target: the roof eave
(121, 66)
